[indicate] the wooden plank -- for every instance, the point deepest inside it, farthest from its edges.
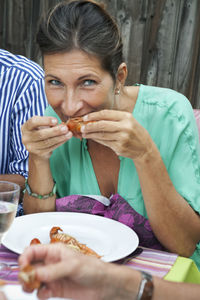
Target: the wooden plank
(186, 49)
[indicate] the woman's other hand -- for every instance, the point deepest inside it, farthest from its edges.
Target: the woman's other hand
(119, 131)
(41, 135)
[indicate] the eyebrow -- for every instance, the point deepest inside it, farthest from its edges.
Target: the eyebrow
(50, 75)
(79, 78)
(86, 76)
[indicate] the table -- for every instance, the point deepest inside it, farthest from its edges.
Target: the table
(162, 264)
(166, 265)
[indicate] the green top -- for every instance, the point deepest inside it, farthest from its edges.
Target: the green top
(169, 119)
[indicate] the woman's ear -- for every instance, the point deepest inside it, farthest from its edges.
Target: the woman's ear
(122, 74)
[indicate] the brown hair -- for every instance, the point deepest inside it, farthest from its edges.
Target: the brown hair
(84, 25)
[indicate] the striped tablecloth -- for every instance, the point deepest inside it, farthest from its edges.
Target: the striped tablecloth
(11, 259)
(155, 262)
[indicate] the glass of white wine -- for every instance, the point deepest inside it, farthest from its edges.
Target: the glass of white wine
(9, 198)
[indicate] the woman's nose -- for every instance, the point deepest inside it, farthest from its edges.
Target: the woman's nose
(71, 103)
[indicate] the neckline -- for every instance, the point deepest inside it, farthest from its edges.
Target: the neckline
(140, 91)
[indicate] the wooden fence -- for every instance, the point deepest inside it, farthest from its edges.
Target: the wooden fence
(161, 38)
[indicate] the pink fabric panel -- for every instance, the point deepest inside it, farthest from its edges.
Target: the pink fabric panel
(197, 117)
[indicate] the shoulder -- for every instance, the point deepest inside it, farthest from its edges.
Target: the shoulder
(167, 103)
(164, 98)
(20, 64)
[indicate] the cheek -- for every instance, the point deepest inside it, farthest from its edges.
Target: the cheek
(54, 97)
(106, 98)
(98, 98)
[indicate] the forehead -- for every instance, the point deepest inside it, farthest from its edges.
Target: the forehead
(74, 60)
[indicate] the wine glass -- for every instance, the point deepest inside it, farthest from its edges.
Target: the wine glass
(9, 198)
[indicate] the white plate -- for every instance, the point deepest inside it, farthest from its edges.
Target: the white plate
(15, 292)
(110, 239)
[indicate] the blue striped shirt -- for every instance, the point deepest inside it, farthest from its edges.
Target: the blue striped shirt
(22, 96)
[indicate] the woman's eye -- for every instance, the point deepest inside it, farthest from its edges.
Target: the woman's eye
(54, 82)
(89, 82)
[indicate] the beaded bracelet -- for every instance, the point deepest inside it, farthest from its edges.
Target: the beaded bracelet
(28, 190)
(146, 287)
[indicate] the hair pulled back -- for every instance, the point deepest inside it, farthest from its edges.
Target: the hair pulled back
(83, 25)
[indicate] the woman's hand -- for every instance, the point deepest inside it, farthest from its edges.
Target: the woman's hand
(67, 274)
(119, 131)
(41, 135)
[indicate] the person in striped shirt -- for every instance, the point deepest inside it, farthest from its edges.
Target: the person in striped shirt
(22, 96)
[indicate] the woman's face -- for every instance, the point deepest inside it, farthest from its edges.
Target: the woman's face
(76, 84)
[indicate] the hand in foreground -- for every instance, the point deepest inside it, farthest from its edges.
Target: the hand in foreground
(119, 131)
(67, 274)
(41, 135)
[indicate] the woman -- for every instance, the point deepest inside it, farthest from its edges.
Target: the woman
(143, 142)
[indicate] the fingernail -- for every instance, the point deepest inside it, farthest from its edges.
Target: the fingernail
(64, 128)
(53, 121)
(82, 128)
(85, 118)
(68, 135)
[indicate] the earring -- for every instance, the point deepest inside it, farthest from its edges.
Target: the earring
(117, 91)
